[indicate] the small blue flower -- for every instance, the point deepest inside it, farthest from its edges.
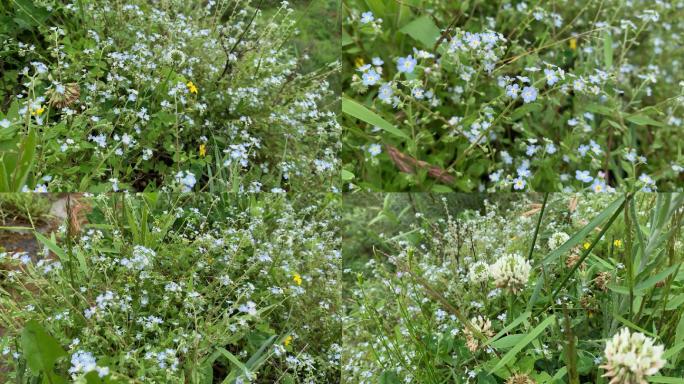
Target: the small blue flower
(406, 64)
(374, 149)
(377, 61)
(583, 149)
(495, 176)
(598, 186)
(519, 183)
(529, 94)
(370, 78)
(551, 148)
(385, 94)
(583, 176)
(512, 90)
(551, 76)
(367, 17)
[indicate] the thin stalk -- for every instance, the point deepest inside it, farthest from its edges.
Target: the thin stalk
(536, 229)
(629, 256)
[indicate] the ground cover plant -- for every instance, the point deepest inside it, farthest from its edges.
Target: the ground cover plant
(515, 289)
(512, 95)
(164, 288)
(190, 95)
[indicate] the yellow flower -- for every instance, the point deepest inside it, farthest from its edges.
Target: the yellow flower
(38, 111)
(617, 243)
(359, 62)
(573, 44)
(202, 150)
(191, 87)
(287, 340)
(297, 279)
(587, 245)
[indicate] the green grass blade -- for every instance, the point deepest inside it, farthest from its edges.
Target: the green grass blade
(663, 379)
(354, 109)
(510, 355)
(524, 316)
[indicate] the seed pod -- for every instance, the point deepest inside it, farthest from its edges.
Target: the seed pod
(71, 93)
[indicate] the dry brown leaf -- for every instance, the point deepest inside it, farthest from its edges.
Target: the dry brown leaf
(408, 164)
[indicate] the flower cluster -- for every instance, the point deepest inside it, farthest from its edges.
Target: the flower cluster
(632, 357)
(499, 104)
(127, 108)
(181, 276)
(511, 271)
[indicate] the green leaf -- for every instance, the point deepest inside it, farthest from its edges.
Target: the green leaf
(653, 280)
(523, 343)
(663, 379)
(600, 109)
(261, 354)
(644, 120)
(508, 341)
(525, 109)
(608, 50)
(234, 360)
(388, 377)
(52, 246)
(674, 351)
(524, 316)
(26, 159)
(675, 302)
(346, 175)
(40, 348)
(423, 29)
(354, 109)
(560, 374)
(485, 378)
(635, 327)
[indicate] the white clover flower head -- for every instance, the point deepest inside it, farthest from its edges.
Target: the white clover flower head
(511, 272)
(479, 272)
(630, 357)
(481, 324)
(557, 239)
